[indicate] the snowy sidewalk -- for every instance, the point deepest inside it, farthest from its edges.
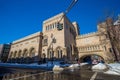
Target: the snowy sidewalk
(31, 66)
(114, 68)
(46, 66)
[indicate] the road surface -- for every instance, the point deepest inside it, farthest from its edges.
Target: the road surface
(85, 73)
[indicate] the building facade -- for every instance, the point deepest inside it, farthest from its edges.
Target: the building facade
(4, 52)
(65, 44)
(27, 49)
(96, 44)
(58, 44)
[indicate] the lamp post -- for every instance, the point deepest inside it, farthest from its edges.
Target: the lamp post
(60, 27)
(52, 48)
(68, 9)
(53, 41)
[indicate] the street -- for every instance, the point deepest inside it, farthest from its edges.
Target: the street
(85, 73)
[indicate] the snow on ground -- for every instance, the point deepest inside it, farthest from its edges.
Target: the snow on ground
(57, 68)
(114, 68)
(33, 66)
(49, 65)
(82, 64)
(111, 72)
(99, 66)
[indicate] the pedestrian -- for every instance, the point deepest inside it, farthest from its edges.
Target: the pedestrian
(78, 61)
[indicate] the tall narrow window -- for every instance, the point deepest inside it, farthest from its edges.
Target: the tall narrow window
(105, 48)
(48, 27)
(60, 53)
(45, 41)
(53, 26)
(110, 49)
(51, 54)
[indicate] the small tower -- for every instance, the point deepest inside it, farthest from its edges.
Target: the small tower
(117, 22)
(76, 26)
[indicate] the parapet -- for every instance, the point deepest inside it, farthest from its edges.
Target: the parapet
(27, 37)
(53, 18)
(87, 35)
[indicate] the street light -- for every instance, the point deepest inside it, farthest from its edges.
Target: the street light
(59, 25)
(51, 45)
(70, 6)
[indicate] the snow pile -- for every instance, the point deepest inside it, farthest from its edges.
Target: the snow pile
(82, 64)
(114, 68)
(57, 68)
(47, 66)
(33, 66)
(111, 72)
(74, 66)
(99, 66)
(61, 64)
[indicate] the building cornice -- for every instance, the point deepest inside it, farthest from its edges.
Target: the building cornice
(34, 35)
(53, 18)
(87, 35)
(88, 45)
(91, 51)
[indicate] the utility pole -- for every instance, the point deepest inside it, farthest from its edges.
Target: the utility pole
(59, 25)
(52, 47)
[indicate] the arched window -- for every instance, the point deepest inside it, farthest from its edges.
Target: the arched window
(11, 54)
(32, 52)
(50, 53)
(46, 28)
(15, 54)
(19, 53)
(43, 55)
(25, 53)
(59, 53)
(45, 41)
(104, 48)
(50, 26)
(98, 47)
(55, 24)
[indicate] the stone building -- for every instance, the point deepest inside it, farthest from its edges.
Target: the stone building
(27, 49)
(4, 52)
(65, 44)
(64, 40)
(96, 44)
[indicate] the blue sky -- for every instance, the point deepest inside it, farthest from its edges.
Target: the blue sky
(19, 18)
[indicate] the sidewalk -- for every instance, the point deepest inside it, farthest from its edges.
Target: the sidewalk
(31, 66)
